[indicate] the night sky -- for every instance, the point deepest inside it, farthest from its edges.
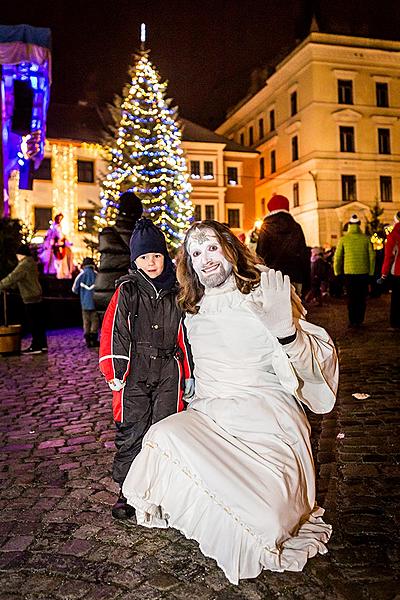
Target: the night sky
(205, 49)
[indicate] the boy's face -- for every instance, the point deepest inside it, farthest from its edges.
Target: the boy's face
(151, 263)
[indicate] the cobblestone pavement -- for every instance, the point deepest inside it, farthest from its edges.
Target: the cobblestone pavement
(58, 540)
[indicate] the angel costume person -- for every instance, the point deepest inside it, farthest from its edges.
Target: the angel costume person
(235, 470)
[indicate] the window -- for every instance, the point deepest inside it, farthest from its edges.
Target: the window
(43, 217)
(85, 220)
(262, 168)
(384, 141)
(195, 169)
(251, 136)
(296, 198)
(293, 103)
(44, 170)
(85, 171)
(232, 176)
(382, 94)
(295, 148)
(210, 212)
(260, 128)
(273, 161)
(347, 139)
(349, 188)
(234, 217)
(197, 212)
(345, 91)
(208, 169)
(242, 139)
(386, 188)
(263, 206)
(272, 120)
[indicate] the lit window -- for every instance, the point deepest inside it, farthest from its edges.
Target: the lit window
(293, 103)
(382, 94)
(208, 169)
(349, 188)
(384, 141)
(386, 188)
(85, 171)
(295, 148)
(273, 161)
(232, 176)
(347, 139)
(210, 212)
(345, 91)
(195, 169)
(296, 197)
(44, 170)
(234, 218)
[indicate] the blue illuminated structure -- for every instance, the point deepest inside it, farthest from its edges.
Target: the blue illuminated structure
(25, 63)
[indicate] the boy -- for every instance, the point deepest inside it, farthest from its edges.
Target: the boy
(84, 286)
(143, 355)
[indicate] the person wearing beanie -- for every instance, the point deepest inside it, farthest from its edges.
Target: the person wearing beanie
(84, 286)
(391, 271)
(281, 244)
(114, 250)
(26, 277)
(143, 354)
(355, 259)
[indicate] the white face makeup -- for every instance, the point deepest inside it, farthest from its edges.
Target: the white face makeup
(208, 258)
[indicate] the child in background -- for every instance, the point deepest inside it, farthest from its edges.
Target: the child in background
(143, 354)
(84, 286)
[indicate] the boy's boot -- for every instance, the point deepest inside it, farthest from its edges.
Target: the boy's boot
(121, 509)
(88, 340)
(94, 341)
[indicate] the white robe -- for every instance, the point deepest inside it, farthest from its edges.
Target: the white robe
(235, 471)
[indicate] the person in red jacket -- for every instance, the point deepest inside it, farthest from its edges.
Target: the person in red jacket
(391, 268)
(144, 356)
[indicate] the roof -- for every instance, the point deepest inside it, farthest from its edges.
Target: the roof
(86, 123)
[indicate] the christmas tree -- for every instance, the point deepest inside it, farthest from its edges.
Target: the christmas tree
(146, 155)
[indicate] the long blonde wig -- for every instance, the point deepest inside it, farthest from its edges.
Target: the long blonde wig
(243, 262)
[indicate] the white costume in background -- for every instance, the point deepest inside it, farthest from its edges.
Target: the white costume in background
(235, 471)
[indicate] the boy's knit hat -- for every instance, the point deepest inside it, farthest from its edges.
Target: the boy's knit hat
(278, 203)
(146, 237)
(354, 220)
(23, 250)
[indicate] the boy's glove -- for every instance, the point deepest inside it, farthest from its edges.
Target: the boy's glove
(189, 390)
(277, 305)
(116, 385)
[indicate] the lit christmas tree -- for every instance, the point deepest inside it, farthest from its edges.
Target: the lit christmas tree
(146, 156)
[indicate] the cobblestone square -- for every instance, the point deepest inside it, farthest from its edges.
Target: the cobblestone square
(58, 540)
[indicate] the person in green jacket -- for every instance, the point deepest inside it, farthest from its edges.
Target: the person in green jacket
(25, 276)
(355, 259)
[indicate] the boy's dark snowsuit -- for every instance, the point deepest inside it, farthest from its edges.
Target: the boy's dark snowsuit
(142, 343)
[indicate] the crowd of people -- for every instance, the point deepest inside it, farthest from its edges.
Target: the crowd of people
(210, 361)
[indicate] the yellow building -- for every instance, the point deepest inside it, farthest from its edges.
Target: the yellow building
(326, 125)
(68, 180)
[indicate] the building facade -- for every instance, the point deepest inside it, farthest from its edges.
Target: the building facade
(327, 127)
(222, 174)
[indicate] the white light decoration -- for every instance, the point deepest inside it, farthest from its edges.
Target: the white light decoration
(65, 189)
(147, 156)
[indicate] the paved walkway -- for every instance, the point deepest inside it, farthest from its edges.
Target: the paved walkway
(58, 540)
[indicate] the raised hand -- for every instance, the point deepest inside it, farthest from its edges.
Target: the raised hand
(277, 306)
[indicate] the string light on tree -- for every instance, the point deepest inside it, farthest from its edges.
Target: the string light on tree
(146, 155)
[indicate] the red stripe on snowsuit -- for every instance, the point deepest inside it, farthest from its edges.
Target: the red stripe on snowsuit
(187, 354)
(180, 405)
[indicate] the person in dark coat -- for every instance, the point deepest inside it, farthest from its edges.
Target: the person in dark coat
(143, 354)
(114, 250)
(282, 246)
